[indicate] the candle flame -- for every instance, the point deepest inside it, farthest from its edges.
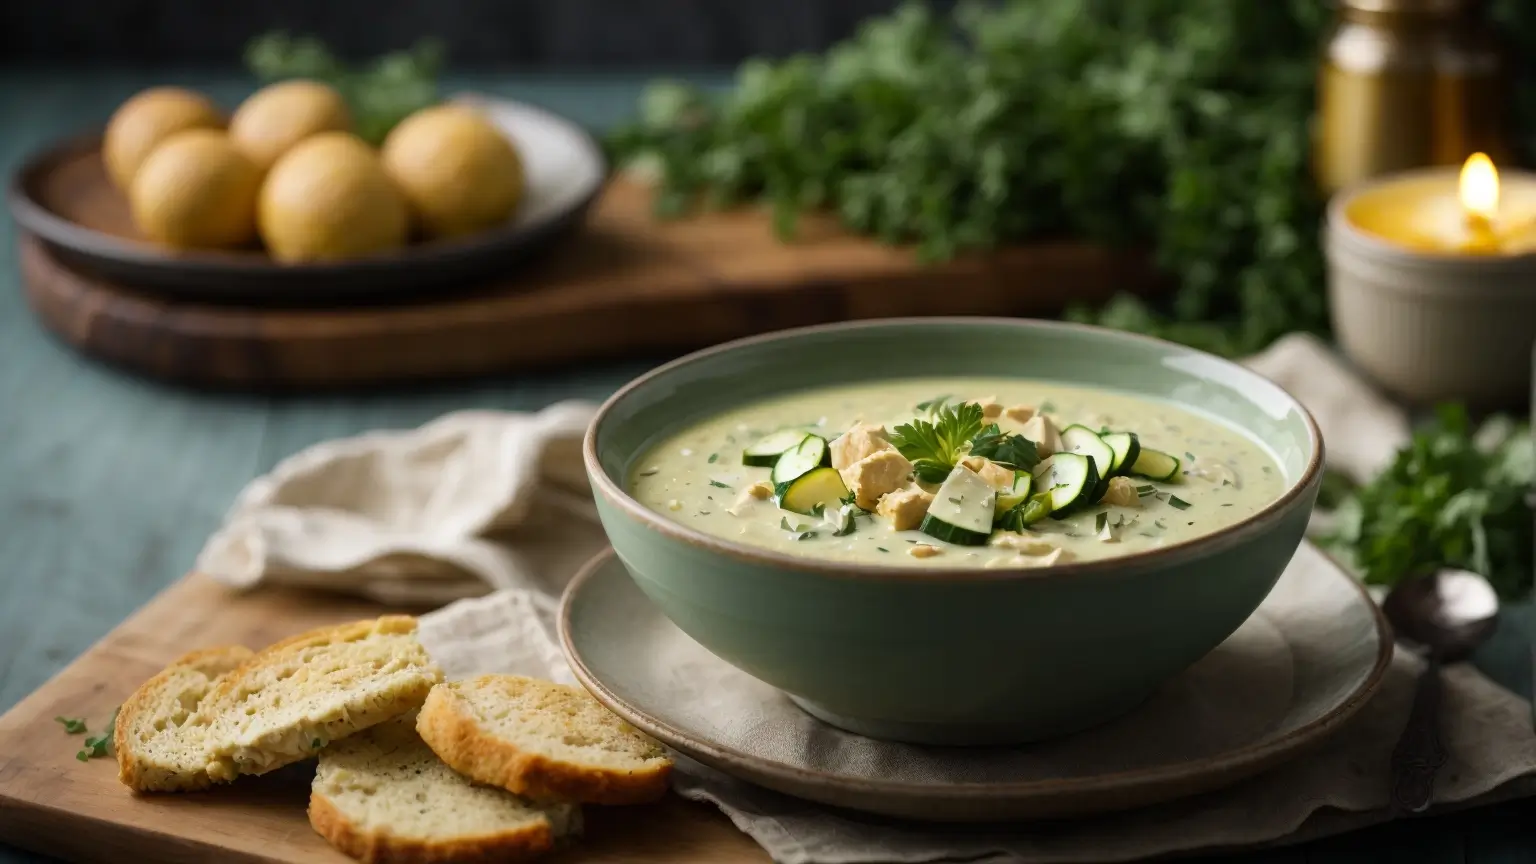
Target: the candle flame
(1480, 186)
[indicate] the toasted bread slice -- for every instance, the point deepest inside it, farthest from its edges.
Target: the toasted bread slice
(161, 743)
(542, 740)
(384, 796)
(293, 698)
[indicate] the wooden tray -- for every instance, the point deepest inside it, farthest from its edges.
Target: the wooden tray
(626, 285)
(56, 805)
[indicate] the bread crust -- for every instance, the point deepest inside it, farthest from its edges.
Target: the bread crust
(216, 663)
(449, 727)
(381, 847)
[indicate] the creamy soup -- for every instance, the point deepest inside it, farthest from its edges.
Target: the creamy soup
(958, 472)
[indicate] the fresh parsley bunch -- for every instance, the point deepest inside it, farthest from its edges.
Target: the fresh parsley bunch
(1451, 498)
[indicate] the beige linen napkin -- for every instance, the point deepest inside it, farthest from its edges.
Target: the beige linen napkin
(443, 512)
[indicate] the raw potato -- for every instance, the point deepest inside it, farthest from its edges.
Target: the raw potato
(458, 170)
(328, 198)
(196, 191)
(276, 117)
(145, 120)
(382, 795)
(543, 740)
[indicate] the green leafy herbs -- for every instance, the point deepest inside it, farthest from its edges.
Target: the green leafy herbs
(1178, 503)
(72, 725)
(1179, 127)
(713, 457)
(99, 745)
(1013, 450)
(933, 405)
(718, 485)
(934, 448)
(379, 95)
(1451, 498)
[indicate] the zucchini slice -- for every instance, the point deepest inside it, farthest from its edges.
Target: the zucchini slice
(962, 509)
(1126, 447)
(1028, 512)
(810, 453)
(1011, 498)
(1156, 465)
(1069, 479)
(817, 490)
(1081, 439)
(766, 452)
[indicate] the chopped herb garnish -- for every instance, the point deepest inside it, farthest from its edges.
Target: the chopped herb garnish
(649, 471)
(1228, 504)
(1100, 521)
(934, 448)
(1191, 523)
(72, 725)
(1178, 502)
(713, 457)
(1147, 534)
(1047, 407)
(934, 404)
(818, 508)
(882, 549)
(847, 524)
(718, 485)
(911, 541)
(1188, 455)
(1012, 450)
(1144, 491)
(703, 512)
(954, 500)
(1159, 523)
(99, 745)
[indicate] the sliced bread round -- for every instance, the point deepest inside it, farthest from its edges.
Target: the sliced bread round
(383, 796)
(291, 699)
(160, 740)
(543, 740)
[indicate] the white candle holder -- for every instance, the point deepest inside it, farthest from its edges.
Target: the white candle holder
(1431, 326)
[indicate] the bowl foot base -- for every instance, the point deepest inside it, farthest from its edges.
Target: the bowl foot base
(963, 734)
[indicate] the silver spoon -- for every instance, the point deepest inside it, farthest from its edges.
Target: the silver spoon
(1446, 615)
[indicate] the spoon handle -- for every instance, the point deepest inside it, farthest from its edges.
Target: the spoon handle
(1419, 752)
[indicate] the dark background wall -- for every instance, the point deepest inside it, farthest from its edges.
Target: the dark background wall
(553, 34)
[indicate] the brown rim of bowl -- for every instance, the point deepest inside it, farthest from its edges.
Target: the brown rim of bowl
(1185, 549)
(1255, 757)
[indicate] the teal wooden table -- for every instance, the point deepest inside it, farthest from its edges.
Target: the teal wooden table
(108, 484)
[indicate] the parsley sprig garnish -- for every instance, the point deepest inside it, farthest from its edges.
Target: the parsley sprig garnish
(99, 745)
(934, 448)
(1015, 451)
(72, 725)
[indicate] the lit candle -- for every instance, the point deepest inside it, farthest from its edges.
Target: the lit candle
(1432, 281)
(1473, 211)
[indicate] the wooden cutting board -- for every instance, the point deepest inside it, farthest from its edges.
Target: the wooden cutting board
(625, 284)
(54, 804)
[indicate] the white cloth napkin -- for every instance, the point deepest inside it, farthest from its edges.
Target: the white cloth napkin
(443, 513)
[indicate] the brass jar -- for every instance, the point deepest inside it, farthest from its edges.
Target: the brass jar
(1408, 84)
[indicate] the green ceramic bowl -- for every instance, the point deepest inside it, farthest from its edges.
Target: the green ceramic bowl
(954, 656)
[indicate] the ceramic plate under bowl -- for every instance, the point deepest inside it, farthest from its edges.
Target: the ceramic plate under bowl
(1311, 655)
(63, 196)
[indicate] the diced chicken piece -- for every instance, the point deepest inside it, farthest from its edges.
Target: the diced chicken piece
(875, 475)
(1022, 543)
(923, 550)
(749, 496)
(996, 475)
(1020, 413)
(905, 507)
(991, 409)
(1122, 493)
(860, 442)
(1044, 433)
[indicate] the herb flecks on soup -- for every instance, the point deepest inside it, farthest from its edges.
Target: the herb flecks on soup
(967, 473)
